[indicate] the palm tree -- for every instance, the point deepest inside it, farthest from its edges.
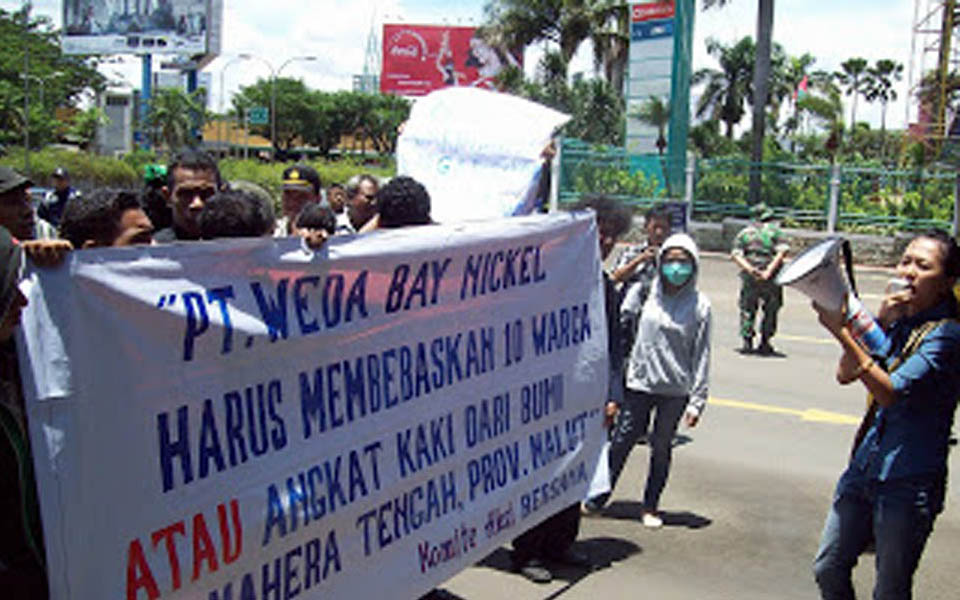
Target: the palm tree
(828, 110)
(786, 87)
(726, 89)
(855, 78)
(174, 114)
(761, 82)
(518, 23)
(611, 42)
(883, 76)
(656, 112)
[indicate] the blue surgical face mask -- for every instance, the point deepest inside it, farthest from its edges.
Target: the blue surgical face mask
(677, 272)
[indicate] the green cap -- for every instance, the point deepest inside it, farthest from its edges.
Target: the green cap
(152, 173)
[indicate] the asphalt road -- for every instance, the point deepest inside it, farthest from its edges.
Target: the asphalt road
(749, 487)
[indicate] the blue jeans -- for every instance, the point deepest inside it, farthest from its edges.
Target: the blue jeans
(633, 422)
(897, 515)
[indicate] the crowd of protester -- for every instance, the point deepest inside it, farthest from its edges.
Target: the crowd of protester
(658, 331)
(185, 200)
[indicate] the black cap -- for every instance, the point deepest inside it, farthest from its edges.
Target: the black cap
(301, 176)
(11, 180)
(61, 173)
(11, 258)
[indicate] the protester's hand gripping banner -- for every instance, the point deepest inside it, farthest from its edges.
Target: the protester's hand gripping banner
(248, 419)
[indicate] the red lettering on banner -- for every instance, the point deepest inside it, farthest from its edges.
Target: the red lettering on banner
(653, 10)
(166, 534)
(138, 573)
(228, 556)
(204, 551)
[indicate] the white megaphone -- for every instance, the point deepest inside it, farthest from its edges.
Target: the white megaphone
(818, 274)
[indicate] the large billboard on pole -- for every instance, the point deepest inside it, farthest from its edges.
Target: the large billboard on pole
(651, 67)
(136, 26)
(418, 59)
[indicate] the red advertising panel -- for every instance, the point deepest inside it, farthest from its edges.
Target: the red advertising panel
(418, 59)
(649, 11)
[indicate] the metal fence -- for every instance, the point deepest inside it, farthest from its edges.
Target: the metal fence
(815, 196)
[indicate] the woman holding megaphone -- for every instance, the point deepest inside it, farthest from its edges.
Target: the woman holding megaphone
(893, 488)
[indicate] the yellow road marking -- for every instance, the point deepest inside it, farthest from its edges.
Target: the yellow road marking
(810, 414)
(805, 338)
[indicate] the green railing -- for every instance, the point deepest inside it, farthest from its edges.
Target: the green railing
(873, 200)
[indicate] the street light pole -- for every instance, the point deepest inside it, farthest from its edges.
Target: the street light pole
(273, 101)
(272, 78)
(223, 94)
(274, 74)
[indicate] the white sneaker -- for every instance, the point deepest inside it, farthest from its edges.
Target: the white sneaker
(652, 521)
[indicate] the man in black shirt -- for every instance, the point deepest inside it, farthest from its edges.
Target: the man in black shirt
(192, 178)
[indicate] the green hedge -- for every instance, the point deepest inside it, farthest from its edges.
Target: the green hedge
(270, 175)
(87, 171)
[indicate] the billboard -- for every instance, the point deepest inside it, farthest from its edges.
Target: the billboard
(650, 67)
(418, 59)
(135, 26)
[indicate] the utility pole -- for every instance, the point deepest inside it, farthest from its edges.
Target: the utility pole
(26, 89)
(146, 83)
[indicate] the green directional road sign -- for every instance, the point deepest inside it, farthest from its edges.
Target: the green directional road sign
(258, 115)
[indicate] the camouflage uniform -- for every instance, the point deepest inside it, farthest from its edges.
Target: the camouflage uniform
(759, 243)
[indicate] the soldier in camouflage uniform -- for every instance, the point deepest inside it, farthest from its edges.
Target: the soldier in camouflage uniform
(759, 250)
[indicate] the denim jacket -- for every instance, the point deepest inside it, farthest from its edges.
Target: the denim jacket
(910, 438)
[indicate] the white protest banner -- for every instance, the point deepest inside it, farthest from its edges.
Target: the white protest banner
(249, 420)
(476, 151)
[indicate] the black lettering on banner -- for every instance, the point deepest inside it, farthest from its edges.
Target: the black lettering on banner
(492, 271)
(341, 392)
(423, 290)
(560, 329)
(273, 309)
(298, 570)
(244, 424)
(321, 489)
(408, 512)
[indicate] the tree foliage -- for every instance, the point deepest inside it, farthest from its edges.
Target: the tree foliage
(596, 109)
(566, 24)
(83, 128)
(883, 76)
(855, 79)
(175, 116)
(727, 89)
(655, 112)
(319, 118)
(53, 79)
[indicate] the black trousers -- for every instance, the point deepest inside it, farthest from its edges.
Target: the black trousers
(549, 539)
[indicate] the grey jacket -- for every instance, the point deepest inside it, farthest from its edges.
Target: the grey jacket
(670, 355)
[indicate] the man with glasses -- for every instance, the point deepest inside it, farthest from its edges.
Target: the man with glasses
(192, 178)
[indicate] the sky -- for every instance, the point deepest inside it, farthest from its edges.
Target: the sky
(337, 32)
